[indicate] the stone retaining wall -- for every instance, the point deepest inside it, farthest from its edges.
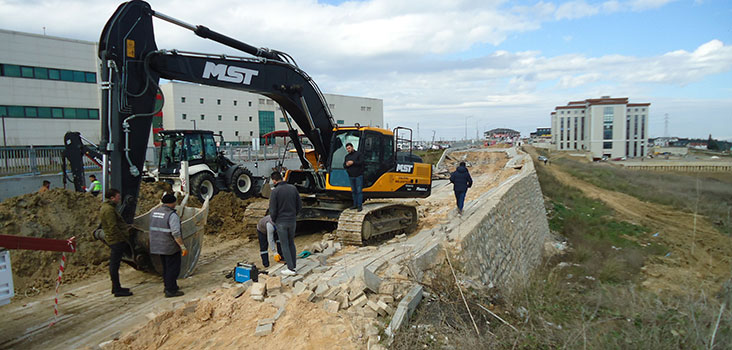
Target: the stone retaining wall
(502, 239)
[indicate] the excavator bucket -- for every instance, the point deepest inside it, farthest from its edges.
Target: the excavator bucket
(192, 225)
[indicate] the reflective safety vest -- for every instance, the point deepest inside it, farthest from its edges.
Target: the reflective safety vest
(96, 186)
(161, 235)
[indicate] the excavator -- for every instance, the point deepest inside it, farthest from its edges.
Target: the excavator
(132, 66)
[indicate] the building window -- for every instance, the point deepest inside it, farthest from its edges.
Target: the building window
(201, 100)
(250, 118)
(340, 121)
(261, 101)
(234, 102)
(48, 112)
(583, 129)
(236, 133)
(250, 103)
(331, 106)
(607, 123)
(203, 116)
(182, 100)
(561, 129)
(251, 133)
(218, 101)
(363, 108)
(221, 132)
(270, 102)
(635, 127)
(236, 118)
(627, 149)
(219, 117)
(184, 116)
(575, 130)
(607, 145)
(368, 109)
(627, 127)
(12, 70)
(575, 145)
(643, 129)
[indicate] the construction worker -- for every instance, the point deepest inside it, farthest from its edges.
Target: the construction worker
(284, 204)
(115, 235)
(166, 241)
(95, 186)
(267, 235)
(461, 181)
(45, 186)
(355, 167)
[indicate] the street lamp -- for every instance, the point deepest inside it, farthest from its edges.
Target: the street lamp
(466, 127)
(194, 124)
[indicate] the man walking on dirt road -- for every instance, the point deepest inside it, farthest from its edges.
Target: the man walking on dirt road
(461, 181)
(166, 241)
(115, 234)
(354, 166)
(284, 204)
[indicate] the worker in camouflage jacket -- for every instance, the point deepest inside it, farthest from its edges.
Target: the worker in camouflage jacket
(116, 232)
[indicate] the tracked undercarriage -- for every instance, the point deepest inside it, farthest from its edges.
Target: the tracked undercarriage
(376, 222)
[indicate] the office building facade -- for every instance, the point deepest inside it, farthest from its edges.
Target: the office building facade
(606, 127)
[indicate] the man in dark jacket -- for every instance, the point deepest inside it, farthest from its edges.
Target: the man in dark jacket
(354, 166)
(284, 204)
(166, 241)
(461, 181)
(115, 234)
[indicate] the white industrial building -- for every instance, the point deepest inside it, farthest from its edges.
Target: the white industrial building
(50, 85)
(241, 116)
(606, 127)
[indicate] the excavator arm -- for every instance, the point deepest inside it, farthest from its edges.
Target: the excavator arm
(133, 66)
(75, 151)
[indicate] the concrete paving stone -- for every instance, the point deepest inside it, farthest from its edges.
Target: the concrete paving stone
(369, 312)
(388, 299)
(310, 280)
(321, 289)
(384, 306)
(237, 291)
(299, 288)
(277, 301)
(259, 289)
(321, 269)
(387, 289)
(264, 321)
(372, 281)
(247, 284)
(360, 302)
(342, 299)
(258, 297)
(332, 293)
(263, 330)
(305, 269)
(323, 260)
(309, 295)
(151, 315)
(329, 251)
(279, 313)
(226, 285)
(331, 306)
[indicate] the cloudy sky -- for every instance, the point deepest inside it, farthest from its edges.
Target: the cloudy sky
(448, 64)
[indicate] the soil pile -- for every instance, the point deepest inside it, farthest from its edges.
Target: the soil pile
(150, 195)
(226, 215)
(58, 214)
(220, 321)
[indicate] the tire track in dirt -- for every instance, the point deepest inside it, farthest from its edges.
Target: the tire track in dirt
(696, 261)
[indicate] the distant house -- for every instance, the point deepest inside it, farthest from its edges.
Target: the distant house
(501, 134)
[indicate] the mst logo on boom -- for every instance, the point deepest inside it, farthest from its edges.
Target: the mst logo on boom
(229, 74)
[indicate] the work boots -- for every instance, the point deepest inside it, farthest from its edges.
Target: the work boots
(121, 292)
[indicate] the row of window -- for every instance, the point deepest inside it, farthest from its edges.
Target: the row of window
(48, 112)
(583, 111)
(17, 71)
(365, 109)
(184, 116)
(218, 101)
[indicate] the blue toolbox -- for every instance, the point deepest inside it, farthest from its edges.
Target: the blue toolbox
(244, 272)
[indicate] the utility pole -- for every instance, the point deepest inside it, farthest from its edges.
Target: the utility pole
(665, 126)
(466, 127)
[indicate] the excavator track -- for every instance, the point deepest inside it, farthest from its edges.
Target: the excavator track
(252, 214)
(376, 222)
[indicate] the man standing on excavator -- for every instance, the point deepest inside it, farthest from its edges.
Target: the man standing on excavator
(354, 166)
(115, 234)
(166, 241)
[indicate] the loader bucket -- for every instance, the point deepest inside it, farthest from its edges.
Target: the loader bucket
(192, 225)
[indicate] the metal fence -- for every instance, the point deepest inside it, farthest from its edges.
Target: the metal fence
(34, 160)
(47, 160)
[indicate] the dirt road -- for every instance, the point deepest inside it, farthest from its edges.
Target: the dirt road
(698, 258)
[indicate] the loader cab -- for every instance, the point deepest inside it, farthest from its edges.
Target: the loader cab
(376, 146)
(195, 146)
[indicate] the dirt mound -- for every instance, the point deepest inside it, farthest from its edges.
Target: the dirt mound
(58, 214)
(226, 215)
(150, 195)
(219, 321)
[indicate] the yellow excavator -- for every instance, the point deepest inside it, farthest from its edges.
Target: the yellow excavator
(134, 65)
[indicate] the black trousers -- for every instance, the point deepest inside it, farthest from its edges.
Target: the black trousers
(171, 269)
(115, 258)
(264, 246)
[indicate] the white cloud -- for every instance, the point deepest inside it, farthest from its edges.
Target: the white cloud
(575, 9)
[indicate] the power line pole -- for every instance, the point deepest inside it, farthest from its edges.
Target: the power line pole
(665, 126)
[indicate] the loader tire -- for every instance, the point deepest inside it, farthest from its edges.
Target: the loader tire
(242, 184)
(203, 186)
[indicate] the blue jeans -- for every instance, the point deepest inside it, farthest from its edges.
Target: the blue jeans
(460, 197)
(357, 190)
